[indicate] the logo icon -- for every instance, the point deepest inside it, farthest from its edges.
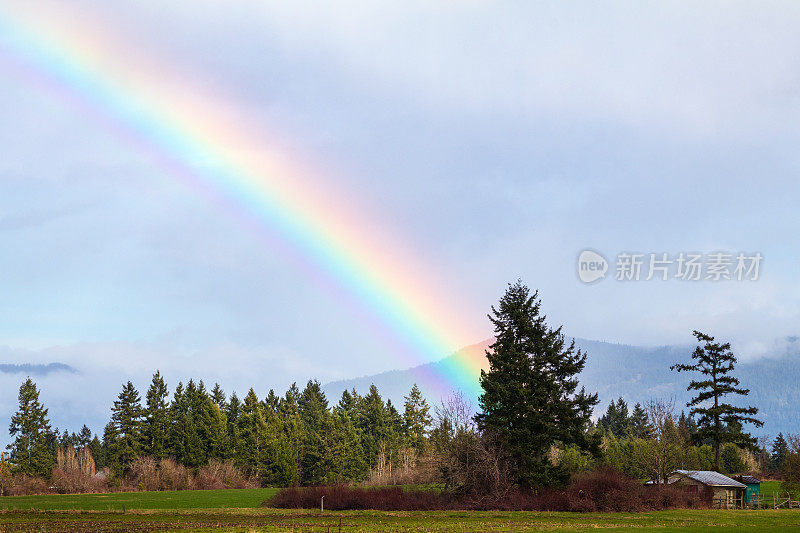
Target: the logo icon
(591, 266)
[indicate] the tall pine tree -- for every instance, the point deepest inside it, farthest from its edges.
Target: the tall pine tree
(416, 419)
(31, 452)
(156, 419)
(718, 421)
(529, 399)
(126, 419)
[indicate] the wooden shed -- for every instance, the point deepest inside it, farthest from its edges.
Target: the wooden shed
(728, 493)
(753, 493)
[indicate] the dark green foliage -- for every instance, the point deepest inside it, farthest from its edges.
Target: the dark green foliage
(616, 420)
(780, 450)
(416, 419)
(638, 426)
(731, 458)
(529, 399)
(218, 396)
(718, 421)
(124, 440)
(31, 452)
(156, 419)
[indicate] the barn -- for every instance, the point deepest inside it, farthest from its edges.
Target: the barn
(728, 493)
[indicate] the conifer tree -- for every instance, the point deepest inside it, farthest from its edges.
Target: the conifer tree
(373, 421)
(232, 418)
(31, 452)
(313, 408)
(529, 399)
(84, 437)
(639, 427)
(156, 419)
(718, 421)
(616, 420)
(218, 396)
(251, 452)
(416, 419)
(126, 418)
(780, 449)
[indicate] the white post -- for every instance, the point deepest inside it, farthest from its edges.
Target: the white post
(322, 504)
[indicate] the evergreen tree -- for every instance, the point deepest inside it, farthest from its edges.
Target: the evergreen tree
(638, 426)
(373, 422)
(84, 437)
(313, 409)
(126, 418)
(718, 421)
(416, 419)
(195, 425)
(232, 418)
(529, 399)
(271, 402)
(251, 453)
(218, 396)
(31, 452)
(96, 448)
(780, 450)
(616, 420)
(156, 419)
(348, 404)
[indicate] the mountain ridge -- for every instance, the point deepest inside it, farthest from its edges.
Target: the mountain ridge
(636, 373)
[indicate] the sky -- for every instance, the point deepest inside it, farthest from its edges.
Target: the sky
(481, 142)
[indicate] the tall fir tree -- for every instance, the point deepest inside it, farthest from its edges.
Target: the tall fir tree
(156, 425)
(126, 417)
(84, 437)
(313, 409)
(780, 449)
(718, 421)
(639, 426)
(416, 419)
(252, 451)
(218, 396)
(233, 408)
(31, 451)
(616, 420)
(530, 399)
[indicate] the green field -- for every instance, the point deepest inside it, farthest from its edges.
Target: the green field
(123, 501)
(240, 510)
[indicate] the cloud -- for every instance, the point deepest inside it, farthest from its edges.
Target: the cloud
(35, 370)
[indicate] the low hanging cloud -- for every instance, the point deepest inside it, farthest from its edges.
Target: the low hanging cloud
(36, 370)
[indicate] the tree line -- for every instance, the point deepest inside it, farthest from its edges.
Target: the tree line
(533, 425)
(296, 438)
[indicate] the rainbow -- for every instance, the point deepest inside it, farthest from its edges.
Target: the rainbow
(214, 150)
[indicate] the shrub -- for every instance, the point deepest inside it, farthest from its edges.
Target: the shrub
(173, 476)
(25, 485)
(604, 489)
(220, 475)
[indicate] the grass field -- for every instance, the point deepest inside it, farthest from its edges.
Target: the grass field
(240, 510)
(123, 501)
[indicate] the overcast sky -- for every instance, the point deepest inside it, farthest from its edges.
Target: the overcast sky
(495, 140)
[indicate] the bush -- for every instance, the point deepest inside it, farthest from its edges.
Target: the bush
(220, 475)
(24, 485)
(604, 489)
(173, 475)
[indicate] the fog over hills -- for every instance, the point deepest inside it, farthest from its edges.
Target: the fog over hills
(638, 374)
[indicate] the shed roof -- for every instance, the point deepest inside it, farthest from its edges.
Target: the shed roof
(748, 480)
(711, 478)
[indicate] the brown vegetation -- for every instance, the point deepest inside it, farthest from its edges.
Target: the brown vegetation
(601, 490)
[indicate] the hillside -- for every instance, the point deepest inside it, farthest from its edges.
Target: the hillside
(637, 374)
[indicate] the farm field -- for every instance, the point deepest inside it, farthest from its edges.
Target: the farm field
(124, 501)
(240, 510)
